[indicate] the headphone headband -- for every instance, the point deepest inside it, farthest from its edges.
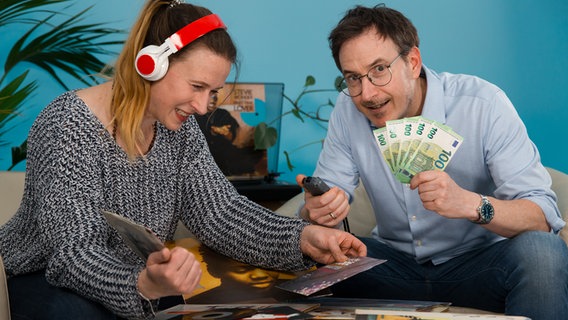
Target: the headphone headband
(194, 30)
(152, 61)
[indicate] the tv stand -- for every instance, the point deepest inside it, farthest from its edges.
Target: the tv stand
(268, 193)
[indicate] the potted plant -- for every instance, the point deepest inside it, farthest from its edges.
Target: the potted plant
(53, 42)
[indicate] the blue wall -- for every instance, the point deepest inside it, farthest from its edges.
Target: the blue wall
(520, 45)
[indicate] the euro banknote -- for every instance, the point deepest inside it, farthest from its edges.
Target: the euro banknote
(416, 144)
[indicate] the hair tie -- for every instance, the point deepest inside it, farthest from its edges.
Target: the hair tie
(174, 3)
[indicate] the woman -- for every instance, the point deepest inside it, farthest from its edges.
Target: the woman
(133, 147)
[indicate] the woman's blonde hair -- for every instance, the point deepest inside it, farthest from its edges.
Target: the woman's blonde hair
(131, 93)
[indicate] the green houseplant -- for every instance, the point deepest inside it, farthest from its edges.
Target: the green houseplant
(53, 42)
(317, 117)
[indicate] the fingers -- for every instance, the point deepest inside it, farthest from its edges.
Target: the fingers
(328, 209)
(188, 272)
(431, 185)
(300, 179)
(158, 257)
(349, 246)
(440, 193)
(420, 179)
(179, 274)
(336, 254)
(327, 245)
(356, 247)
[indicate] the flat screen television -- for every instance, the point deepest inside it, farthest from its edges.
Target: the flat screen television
(229, 129)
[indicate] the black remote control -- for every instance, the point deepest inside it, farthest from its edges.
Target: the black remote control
(315, 185)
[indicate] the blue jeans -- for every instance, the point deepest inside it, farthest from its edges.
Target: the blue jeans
(526, 275)
(32, 297)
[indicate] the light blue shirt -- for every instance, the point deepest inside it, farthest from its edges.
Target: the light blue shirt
(496, 158)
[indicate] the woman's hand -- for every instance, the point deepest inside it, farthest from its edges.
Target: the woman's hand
(169, 272)
(327, 245)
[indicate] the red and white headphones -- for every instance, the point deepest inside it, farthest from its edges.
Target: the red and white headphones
(152, 61)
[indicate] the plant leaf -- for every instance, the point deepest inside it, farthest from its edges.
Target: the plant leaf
(310, 81)
(19, 154)
(12, 98)
(288, 162)
(69, 46)
(264, 136)
(11, 91)
(296, 113)
(11, 11)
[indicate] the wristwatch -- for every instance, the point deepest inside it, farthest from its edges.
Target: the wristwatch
(485, 211)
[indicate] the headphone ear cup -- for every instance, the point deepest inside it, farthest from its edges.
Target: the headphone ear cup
(151, 63)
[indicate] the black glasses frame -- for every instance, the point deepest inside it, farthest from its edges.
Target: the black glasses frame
(343, 87)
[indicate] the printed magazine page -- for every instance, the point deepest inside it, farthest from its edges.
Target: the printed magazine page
(139, 238)
(334, 308)
(237, 311)
(326, 276)
(223, 280)
(228, 281)
(379, 314)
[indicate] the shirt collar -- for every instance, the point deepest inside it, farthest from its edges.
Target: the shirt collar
(434, 104)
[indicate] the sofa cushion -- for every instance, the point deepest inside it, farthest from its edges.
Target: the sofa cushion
(560, 187)
(11, 191)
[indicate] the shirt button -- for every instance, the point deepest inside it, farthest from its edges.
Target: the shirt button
(413, 218)
(419, 243)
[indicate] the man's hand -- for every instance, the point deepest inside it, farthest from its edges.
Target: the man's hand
(169, 272)
(327, 245)
(328, 210)
(441, 194)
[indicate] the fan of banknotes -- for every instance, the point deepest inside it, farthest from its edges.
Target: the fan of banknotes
(413, 145)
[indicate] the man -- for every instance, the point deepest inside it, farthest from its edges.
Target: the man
(481, 233)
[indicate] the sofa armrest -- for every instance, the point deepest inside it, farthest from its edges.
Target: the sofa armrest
(560, 187)
(4, 299)
(11, 192)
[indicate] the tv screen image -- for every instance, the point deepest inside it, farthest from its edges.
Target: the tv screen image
(230, 127)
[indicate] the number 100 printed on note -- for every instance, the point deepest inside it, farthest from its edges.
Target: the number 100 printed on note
(413, 145)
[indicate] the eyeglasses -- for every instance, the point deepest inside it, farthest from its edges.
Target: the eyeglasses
(379, 75)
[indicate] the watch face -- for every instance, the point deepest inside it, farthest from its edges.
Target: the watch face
(486, 211)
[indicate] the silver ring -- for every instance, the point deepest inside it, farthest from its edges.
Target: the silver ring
(332, 216)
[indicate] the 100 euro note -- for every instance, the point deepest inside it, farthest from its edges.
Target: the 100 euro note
(419, 130)
(393, 139)
(416, 144)
(434, 152)
(382, 142)
(408, 136)
(395, 132)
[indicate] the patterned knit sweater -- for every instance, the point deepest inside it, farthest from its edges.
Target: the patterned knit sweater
(75, 169)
